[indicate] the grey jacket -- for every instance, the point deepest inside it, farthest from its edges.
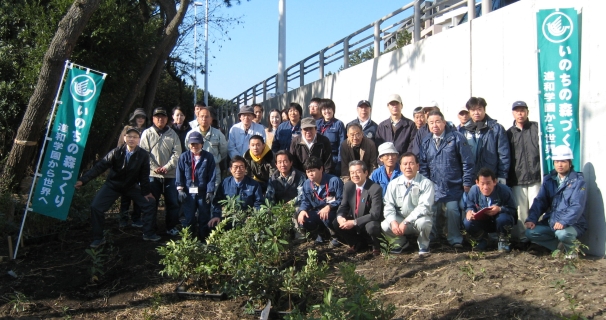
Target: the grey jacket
(164, 151)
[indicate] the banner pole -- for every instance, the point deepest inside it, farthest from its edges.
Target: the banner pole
(48, 126)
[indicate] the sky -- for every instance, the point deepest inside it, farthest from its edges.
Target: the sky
(252, 53)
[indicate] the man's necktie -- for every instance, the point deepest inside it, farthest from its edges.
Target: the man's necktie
(358, 197)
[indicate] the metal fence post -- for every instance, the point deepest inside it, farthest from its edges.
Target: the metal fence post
(377, 39)
(254, 93)
(471, 10)
(264, 90)
(346, 53)
(486, 7)
(301, 73)
(321, 64)
(417, 20)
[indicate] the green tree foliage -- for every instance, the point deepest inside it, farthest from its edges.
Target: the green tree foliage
(117, 40)
(26, 29)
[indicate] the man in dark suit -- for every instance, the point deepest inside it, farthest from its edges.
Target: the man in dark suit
(361, 211)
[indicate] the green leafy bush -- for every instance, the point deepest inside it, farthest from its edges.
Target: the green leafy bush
(246, 255)
(351, 299)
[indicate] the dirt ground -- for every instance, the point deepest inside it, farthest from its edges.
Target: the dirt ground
(53, 280)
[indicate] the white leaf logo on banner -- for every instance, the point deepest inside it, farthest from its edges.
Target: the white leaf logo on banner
(83, 88)
(557, 27)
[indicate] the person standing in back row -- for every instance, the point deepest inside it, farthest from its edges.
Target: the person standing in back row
(240, 133)
(368, 126)
(289, 129)
(524, 177)
(164, 149)
(333, 129)
(488, 140)
(196, 184)
(397, 129)
(446, 159)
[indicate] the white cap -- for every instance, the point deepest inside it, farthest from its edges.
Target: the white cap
(387, 148)
(561, 152)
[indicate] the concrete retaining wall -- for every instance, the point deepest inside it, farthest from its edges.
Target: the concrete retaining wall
(494, 57)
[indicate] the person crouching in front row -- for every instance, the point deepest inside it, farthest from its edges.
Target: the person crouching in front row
(501, 214)
(238, 184)
(408, 203)
(321, 196)
(359, 216)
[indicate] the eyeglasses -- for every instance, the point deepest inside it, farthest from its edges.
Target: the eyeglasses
(356, 135)
(236, 168)
(132, 137)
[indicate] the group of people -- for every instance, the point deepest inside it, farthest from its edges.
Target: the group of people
(358, 184)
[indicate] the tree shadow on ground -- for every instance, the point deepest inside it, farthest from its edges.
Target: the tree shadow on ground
(499, 307)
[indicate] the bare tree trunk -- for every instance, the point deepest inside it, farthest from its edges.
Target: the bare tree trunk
(152, 83)
(41, 101)
(170, 33)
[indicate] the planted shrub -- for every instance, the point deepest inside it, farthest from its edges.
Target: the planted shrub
(246, 255)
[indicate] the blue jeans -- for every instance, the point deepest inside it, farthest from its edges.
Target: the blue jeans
(453, 221)
(197, 203)
(166, 187)
(493, 224)
(106, 197)
(544, 236)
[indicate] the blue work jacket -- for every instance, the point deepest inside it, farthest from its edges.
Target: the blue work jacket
(249, 191)
(334, 130)
(370, 129)
(204, 172)
(284, 135)
(564, 204)
(449, 166)
(314, 198)
(492, 147)
(501, 196)
(380, 176)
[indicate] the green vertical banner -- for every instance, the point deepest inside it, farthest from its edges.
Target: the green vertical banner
(65, 143)
(558, 40)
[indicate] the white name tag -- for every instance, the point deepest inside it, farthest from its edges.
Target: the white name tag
(193, 190)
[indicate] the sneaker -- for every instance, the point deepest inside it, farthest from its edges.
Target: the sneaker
(398, 250)
(376, 252)
(334, 243)
(153, 237)
(97, 243)
(137, 224)
(123, 224)
(424, 253)
(173, 232)
(503, 244)
(571, 256)
(319, 239)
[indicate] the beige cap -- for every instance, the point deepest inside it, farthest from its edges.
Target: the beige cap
(394, 97)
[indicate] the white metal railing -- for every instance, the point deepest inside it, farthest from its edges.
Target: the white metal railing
(371, 35)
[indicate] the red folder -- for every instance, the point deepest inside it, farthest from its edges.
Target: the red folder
(482, 214)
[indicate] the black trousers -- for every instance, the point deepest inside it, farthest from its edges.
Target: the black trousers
(369, 233)
(106, 197)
